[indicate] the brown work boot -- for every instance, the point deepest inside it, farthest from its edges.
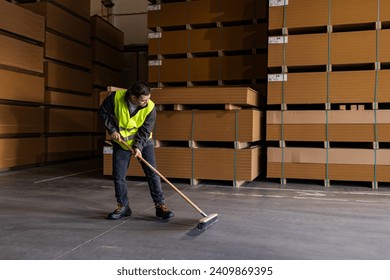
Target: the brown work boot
(163, 212)
(120, 212)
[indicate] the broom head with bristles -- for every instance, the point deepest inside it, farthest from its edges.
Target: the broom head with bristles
(207, 221)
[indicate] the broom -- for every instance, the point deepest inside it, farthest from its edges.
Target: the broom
(207, 220)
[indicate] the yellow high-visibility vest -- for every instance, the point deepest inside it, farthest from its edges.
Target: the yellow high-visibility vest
(128, 126)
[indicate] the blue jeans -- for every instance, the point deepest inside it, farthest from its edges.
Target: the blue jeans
(120, 164)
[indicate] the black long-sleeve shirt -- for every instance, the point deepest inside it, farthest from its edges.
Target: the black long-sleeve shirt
(107, 114)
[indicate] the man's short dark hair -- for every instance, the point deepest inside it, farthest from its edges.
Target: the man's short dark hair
(139, 88)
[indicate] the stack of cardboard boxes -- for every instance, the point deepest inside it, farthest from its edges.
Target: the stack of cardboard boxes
(327, 90)
(108, 60)
(203, 54)
(69, 122)
(21, 114)
(107, 65)
(207, 43)
(49, 83)
(210, 143)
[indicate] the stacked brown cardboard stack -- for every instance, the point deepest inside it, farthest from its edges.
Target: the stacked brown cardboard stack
(107, 46)
(69, 103)
(21, 87)
(328, 89)
(210, 143)
(197, 50)
(107, 64)
(200, 141)
(207, 43)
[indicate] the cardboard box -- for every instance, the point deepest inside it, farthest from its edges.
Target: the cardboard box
(300, 88)
(302, 13)
(69, 147)
(22, 22)
(242, 37)
(168, 14)
(352, 86)
(170, 42)
(228, 126)
(382, 173)
(384, 44)
(247, 10)
(343, 163)
(311, 171)
(206, 95)
(384, 11)
(17, 151)
(242, 125)
(204, 69)
(70, 99)
(243, 67)
(62, 21)
(16, 119)
(201, 69)
(354, 12)
(80, 7)
(107, 55)
(203, 12)
(106, 32)
(339, 133)
(303, 50)
(227, 164)
(66, 78)
(351, 156)
(104, 76)
(173, 125)
(353, 47)
(344, 87)
(13, 86)
(20, 54)
(343, 125)
(174, 162)
(169, 70)
(204, 40)
(61, 49)
(70, 120)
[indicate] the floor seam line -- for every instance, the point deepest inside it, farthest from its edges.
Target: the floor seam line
(66, 176)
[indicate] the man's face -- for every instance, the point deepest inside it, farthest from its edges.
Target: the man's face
(141, 101)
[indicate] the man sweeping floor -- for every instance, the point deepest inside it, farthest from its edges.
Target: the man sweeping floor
(129, 116)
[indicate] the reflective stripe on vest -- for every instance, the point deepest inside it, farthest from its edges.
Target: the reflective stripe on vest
(128, 126)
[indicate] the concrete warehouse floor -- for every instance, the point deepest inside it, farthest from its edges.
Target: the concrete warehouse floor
(59, 212)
